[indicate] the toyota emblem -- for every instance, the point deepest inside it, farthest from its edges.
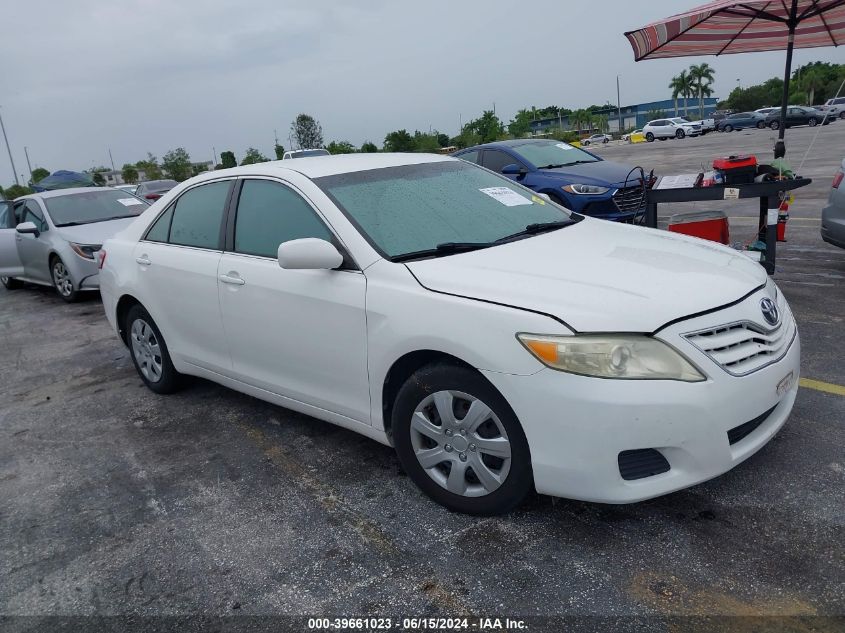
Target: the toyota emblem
(770, 311)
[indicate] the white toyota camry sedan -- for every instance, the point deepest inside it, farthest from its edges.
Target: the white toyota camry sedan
(499, 342)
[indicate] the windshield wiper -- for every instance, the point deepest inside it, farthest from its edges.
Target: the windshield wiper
(542, 227)
(446, 248)
(580, 162)
(551, 166)
(70, 224)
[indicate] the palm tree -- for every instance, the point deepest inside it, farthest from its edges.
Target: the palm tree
(682, 86)
(702, 76)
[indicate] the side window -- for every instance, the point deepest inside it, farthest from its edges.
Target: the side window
(199, 214)
(494, 160)
(471, 157)
(270, 213)
(160, 230)
(5, 216)
(17, 212)
(32, 213)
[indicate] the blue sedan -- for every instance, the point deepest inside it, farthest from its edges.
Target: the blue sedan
(741, 121)
(572, 177)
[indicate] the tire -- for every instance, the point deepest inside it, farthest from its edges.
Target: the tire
(585, 143)
(680, 134)
(775, 125)
(149, 352)
(649, 137)
(11, 283)
(419, 434)
(842, 114)
(62, 280)
(605, 142)
(761, 125)
(812, 123)
(729, 128)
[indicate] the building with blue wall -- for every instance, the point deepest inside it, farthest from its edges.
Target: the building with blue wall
(633, 116)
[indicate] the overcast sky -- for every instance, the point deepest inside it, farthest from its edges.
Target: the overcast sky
(142, 76)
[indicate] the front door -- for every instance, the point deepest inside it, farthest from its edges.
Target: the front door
(34, 252)
(10, 262)
(301, 334)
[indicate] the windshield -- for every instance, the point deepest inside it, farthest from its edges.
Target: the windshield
(546, 153)
(93, 206)
(416, 208)
(159, 185)
(309, 152)
(679, 120)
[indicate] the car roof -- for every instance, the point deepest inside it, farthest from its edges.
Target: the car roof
(514, 142)
(319, 166)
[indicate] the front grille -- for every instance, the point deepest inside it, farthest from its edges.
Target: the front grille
(641, 463)
(630, 199)
(745, 347)
(739, 433)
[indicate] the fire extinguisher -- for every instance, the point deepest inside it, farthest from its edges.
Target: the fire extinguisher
(783, 217)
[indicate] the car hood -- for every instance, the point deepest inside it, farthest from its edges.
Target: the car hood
(94, 233)
(600, 173)
(599, 276)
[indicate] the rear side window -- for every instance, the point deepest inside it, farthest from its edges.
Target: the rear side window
(198, 216)
(160, 231)
(270, 213)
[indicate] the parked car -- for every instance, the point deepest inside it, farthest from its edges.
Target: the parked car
(834, 107)
(597, 139)
(404, 297)
(305, 153)
(570, 176)
(154, 189)
(670, 128)
(127, 188)
(52, 238)
(833, 215)
(767, 111)
(797, 115)
(707, 125)
(741, 121)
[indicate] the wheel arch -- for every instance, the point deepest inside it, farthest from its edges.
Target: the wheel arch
(124, 304)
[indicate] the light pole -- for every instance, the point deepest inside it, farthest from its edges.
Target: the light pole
(26, 153)
(9, 149)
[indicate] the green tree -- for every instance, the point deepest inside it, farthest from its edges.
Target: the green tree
(280, 151)
(399, 141)
(98, 178)
(253, 156)
(39, 174)
(307, 132)
(341, 147)
(129, 173)
(520, 125)
(228, 160)
(16, 191)
(150, 167)
(487, 126)
(582, 119)
(703, 76)
(443, 140)
(683, 85)
(369, 148)
(426, 142)
(177, 164)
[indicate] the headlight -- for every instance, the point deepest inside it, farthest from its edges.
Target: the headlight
(586, 190)
(621, 356)
(86, 251)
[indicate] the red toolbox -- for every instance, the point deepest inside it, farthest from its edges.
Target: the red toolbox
(737, 170)
(708, 225)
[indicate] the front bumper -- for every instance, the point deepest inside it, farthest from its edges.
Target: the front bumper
(577, 427)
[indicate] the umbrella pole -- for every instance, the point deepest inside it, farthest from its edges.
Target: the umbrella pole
(780, 146)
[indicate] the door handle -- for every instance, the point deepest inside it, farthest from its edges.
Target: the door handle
(143, 261)
(228, 279)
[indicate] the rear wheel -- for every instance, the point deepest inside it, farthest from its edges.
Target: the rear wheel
(729, 128)
(11, 283)
(842, 114)
(812, 123)
(761, 125)
(149, 352)
(62, 281)
(680, 134)
(460, 442)
(605, 141)
(649, 137)
(775, 125)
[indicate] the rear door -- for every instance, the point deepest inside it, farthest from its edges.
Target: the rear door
(301, 334)
(10, 263)
(177, 274)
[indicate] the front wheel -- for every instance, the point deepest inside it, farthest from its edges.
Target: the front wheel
(729, 128)
(11, 283)
(812, 123)
(649, 137)
(680, 134)
(842, 115)
(63, 282)
(761, 125)
(460, 442)
(775, 125)
(605, 142)
(149, 352)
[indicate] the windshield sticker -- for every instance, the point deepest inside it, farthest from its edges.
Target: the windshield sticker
(129, 202)
(506, 196)
(564, 146)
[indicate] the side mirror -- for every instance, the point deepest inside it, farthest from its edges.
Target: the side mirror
(513, 170)
(28, 228)
(309, 254)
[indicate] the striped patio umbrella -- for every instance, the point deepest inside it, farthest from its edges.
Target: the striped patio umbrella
(726, 27)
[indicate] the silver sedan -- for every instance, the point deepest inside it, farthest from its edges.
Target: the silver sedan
(833, 215)
(52, 238)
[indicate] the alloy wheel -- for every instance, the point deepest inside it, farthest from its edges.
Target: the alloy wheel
(812, 123)
(460, 443)
(146, 350)
(62, 280)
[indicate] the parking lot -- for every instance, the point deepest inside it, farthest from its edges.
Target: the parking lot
(114, 500)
